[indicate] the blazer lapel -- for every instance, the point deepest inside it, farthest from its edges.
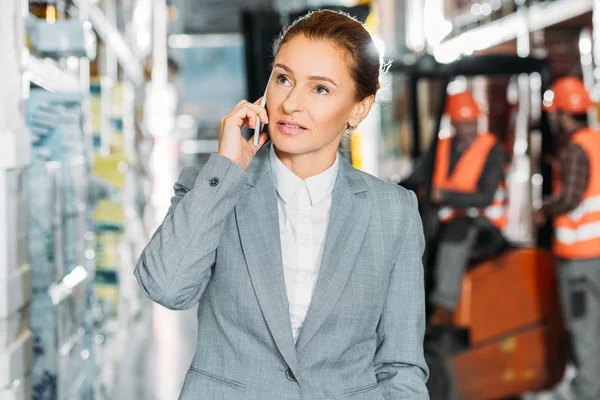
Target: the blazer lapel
(349, 219)
(258, 224)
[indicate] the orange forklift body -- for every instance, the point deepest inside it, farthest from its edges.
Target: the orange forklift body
(510, 306)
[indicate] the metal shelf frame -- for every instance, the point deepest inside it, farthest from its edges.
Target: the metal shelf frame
(109, 33)
(510, 27)
(47, 74)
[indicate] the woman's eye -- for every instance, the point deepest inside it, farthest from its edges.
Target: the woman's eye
(321, 89)
(282, 79)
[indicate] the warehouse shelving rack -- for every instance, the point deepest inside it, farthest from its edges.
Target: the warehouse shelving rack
(526, 19)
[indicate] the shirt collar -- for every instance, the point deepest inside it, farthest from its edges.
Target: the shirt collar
(286, 182)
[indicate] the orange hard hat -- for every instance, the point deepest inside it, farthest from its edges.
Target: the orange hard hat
(462, 107)
(569, 96)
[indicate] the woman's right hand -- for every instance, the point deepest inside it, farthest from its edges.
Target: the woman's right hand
(231, 142)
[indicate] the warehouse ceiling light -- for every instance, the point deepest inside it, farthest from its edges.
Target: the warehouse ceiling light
(436, 26)
(446, 56)
(486, 9)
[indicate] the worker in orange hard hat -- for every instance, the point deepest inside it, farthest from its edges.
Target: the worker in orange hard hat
(574, 208)
(468, 191)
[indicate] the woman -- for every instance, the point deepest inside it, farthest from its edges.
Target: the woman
(308, 272)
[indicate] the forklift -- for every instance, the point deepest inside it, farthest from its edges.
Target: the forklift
(507, 337)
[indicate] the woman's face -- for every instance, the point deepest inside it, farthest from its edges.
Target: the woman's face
(311, 98)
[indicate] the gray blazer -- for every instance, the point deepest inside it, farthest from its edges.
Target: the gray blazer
(363, 335)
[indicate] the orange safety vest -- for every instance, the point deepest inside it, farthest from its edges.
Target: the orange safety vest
(577, 233)
(464, 179)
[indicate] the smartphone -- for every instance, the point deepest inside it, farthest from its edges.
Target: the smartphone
(258, 127)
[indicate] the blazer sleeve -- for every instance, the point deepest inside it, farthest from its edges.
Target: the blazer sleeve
(399, 360)
(175, 267)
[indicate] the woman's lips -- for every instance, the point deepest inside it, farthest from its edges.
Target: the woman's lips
(290, 128)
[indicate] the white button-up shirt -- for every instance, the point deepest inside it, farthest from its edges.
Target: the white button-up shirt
(303, 206)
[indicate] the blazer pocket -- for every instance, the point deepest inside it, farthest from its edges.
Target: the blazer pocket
(360, 389)
(227, 382)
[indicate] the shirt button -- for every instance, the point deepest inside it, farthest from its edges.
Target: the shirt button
(290, 375)
(213, 181)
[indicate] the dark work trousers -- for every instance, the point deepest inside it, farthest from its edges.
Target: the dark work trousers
(457, 242)
(580, 293)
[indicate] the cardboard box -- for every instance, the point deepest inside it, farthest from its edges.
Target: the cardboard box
(16, 360)
(57, 321)
(64, 37)
(15, 148)
(15, 292)
(14, 326)
(46, 244)
(13, 221)
(20, 389)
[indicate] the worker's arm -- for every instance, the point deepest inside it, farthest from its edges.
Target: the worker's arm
(419, 175)
(486, 187)
(574, 179)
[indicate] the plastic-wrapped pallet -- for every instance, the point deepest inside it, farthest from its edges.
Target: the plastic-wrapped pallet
(61, 137)
(45, 227)
(57, 247)
(75, 218)
(57, 323)
(58, 310)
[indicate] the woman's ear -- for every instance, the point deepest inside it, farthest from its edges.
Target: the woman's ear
(361, 110)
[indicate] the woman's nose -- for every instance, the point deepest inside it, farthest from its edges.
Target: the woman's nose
(293, 102)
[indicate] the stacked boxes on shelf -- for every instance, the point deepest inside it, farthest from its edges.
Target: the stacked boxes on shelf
(57, 231)
(109, 172)
(95, 106)
(116, 247)
(108, 221)
(59, 223)
(15, 272)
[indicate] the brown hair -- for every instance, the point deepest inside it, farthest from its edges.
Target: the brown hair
(365, 61)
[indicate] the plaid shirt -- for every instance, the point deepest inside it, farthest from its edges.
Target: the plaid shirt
(574, 175)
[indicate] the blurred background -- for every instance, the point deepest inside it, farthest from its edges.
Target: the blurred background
(104, 101)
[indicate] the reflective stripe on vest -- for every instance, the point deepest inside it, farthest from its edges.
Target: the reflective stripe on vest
(496, 212)
(577, 233)
(464, 179)
(587, 206)
(581, 233)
